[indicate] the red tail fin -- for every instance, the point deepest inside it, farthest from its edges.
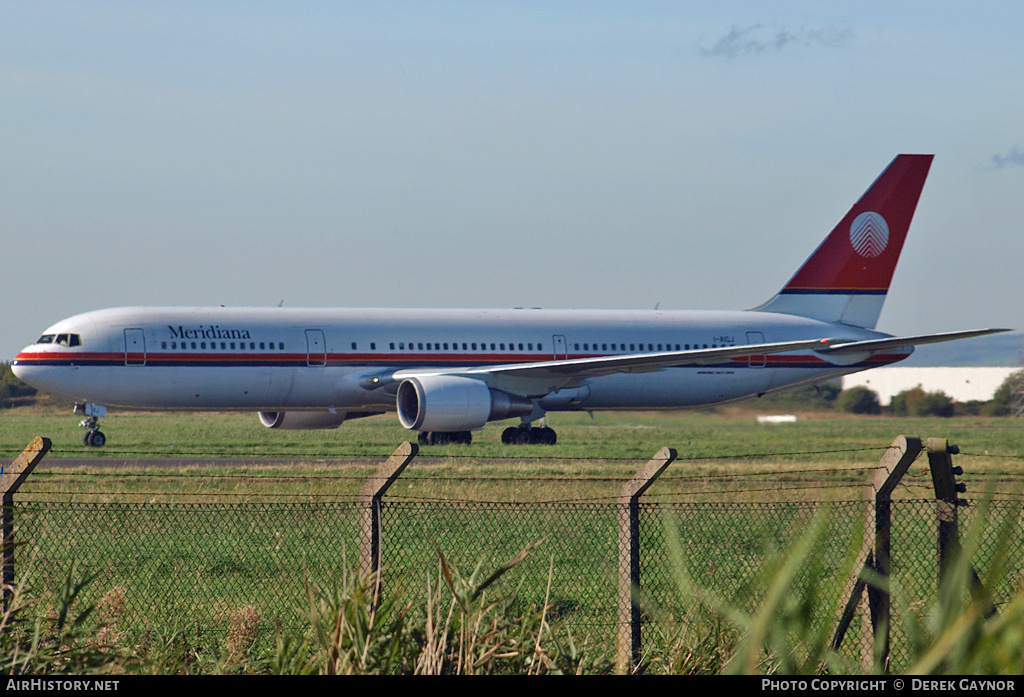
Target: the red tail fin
(848, 276)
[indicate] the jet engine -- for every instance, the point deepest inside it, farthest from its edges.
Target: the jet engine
(301, 420)
(453, 403)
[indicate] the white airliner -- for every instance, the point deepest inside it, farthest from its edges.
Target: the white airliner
(449, 372)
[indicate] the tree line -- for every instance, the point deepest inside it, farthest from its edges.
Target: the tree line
(13, 392)
(913, 402)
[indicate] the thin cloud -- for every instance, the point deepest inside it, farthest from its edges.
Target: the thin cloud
(1014, 158)
(758, 40)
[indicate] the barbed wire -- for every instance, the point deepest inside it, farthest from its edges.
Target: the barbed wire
(247, 454)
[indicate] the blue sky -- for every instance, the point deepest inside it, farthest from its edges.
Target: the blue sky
(498, 154)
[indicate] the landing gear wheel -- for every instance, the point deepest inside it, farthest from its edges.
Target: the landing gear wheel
(95, 438)
(445, 437)
(524, 435)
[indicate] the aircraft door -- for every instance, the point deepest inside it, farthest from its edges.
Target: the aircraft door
(758, 360)
(561, 352)
(134, 347)
(316, 347)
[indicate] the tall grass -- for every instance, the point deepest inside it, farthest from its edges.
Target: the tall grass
(790, 632)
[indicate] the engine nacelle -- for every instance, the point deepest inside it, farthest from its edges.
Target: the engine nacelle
(301, 420)
(453, 403)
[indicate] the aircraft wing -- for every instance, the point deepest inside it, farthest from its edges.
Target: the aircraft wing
(574, 370)
(544, 376)
(873, 345)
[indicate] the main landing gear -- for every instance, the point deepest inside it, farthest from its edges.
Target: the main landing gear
(93, 412)
(445, 437)
(527, 435)
(513, 435)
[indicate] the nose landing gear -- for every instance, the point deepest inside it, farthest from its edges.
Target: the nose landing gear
(93, 412)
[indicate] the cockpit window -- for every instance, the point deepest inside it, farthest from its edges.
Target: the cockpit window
(61, 339)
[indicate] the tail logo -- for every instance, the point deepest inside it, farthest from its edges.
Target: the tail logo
(869, 234)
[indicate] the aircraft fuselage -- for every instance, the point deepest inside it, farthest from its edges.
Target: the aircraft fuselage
(268, 359)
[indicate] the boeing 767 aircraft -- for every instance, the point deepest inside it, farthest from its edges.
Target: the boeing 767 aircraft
(449, 372)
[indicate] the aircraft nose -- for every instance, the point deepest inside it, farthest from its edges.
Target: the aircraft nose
(18, 365)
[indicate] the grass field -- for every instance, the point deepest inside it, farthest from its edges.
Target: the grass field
(204, 558)
(725, 451)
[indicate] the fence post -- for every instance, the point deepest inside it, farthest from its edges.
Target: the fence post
(628, 644)
(370, 521)
(877, 493)
(940, 462)
(11, 477)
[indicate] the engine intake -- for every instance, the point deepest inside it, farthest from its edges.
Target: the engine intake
(454, 403)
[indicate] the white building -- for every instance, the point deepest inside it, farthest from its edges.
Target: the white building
(961, 384)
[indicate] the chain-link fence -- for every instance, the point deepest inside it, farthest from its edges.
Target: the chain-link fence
(186, 567)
